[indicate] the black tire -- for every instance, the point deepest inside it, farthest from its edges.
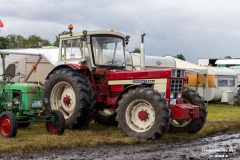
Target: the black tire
(83, 107)
(194, 125)
(59, 126)
(106, 118)
(8, 124)
(140, 103)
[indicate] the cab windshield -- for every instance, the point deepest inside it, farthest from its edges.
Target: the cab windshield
(108, 51)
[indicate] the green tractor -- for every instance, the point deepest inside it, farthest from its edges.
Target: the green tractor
(22, 104)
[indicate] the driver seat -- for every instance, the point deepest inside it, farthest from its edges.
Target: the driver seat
(10, 70)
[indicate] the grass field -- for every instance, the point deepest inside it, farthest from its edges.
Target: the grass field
(220, 118)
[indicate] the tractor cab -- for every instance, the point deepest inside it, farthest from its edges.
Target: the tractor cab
(98, 49)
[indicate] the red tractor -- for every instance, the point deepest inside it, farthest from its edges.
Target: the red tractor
(93, 79)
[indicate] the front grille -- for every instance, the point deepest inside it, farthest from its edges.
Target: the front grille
(176, 86)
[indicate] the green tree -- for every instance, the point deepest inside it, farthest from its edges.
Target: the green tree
(35, 41)
(180, 56)
(16, 41)
(3, 43)
(136, 50)
(228, 57)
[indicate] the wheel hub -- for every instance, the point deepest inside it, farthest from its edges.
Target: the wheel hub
(67, 100)
(6, 126)
(143, 115)
(63, 98)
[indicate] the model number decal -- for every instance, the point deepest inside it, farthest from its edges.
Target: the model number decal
(143, 81)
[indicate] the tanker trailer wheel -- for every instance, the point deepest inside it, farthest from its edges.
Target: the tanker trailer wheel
(106, 116)
(8, 124)
(194, 125)
(72, 94)
(57, 124)
(143, 113)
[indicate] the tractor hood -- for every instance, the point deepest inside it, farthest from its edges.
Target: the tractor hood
(140, 74)
(24, 87)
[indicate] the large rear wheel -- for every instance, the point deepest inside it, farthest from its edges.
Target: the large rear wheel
(8, 124)
(143, 113)
(193, 125)
(71, 93)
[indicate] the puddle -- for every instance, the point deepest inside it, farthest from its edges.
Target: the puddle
(225, 146)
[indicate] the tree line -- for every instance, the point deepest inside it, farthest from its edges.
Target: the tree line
(14, 41)
(33, 41)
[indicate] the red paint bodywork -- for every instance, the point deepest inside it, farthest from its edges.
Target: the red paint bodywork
(108, 95)
(184, 111)
(146, 74)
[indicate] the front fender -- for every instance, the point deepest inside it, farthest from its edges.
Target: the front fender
(74, 67)
(127, 89)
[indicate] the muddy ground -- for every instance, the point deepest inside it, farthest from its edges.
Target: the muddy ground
(221, 146)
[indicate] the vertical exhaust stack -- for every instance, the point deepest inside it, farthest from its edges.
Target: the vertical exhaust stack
(142, 53)
(3, 56)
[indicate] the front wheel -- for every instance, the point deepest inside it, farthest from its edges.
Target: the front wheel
(8, 124)
(143, 113)
(57, 124)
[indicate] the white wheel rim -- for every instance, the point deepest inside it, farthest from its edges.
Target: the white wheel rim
(140, 115)
(63, 98)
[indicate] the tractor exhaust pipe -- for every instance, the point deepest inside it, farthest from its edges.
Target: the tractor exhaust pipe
(142, 53)
(3, 56)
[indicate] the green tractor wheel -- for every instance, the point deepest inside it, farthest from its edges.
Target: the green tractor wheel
(8, 124)
(58, 125)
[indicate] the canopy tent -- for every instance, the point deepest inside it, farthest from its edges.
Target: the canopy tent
(17, 54)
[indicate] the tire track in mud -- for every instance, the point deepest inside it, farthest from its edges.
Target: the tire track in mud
(224, 146)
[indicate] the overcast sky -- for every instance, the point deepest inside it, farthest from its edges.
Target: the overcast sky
(195, 28)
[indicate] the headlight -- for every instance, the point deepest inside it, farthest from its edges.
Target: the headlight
(174, 73)
(16, 101)
(45, 101)
(179, 95)
(172, 95)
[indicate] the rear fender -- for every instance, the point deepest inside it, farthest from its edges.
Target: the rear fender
(74, 67)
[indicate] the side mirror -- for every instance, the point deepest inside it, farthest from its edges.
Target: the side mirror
(11, 69)
(127, 39)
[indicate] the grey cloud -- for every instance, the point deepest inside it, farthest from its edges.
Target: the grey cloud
(197, 29)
